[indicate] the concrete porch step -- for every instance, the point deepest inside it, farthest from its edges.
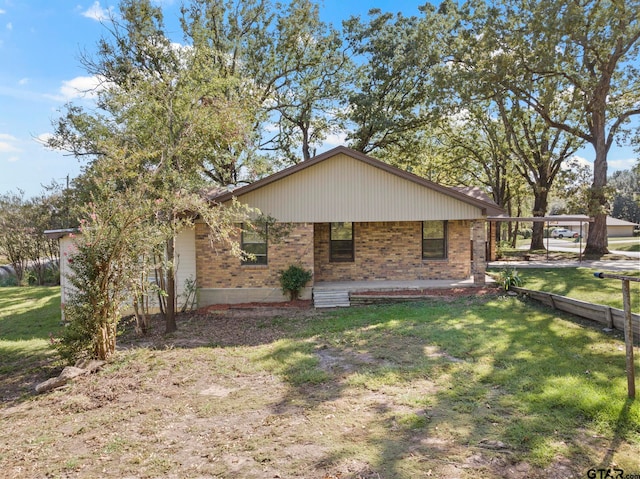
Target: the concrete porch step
(331, 298)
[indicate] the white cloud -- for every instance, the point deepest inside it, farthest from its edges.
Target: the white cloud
(335, 139)
(96, 12)
(13, 159)
(624, 164)
(79, 87)
(576, 161)
(7, 147)
(43, 138)
(23, 81)
(2, 12)
(7, 143)
(9, 26)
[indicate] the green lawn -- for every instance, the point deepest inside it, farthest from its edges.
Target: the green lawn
(580, 283)
(28, 315)
(626, 246)
(508, 369)
(396, 390)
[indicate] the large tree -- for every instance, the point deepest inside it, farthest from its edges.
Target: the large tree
(292, 63)
(538, 152)
(164, 115)
(22, 222)
(476, 145)
(389, 102)
(590, 48)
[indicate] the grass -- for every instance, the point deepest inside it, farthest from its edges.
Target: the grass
(579, 283)
(380, 391)
(508, 369)
(627, 246)
(615, 244)
(28, 316)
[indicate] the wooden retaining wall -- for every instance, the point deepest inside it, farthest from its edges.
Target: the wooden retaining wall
(612, 318)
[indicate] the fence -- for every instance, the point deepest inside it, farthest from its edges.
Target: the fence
(611, 318)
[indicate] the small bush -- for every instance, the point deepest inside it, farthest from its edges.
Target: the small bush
(508, 278)
(293, 279)
(8, 280)
(526, 233)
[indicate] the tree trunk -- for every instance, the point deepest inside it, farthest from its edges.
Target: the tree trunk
(105, 344)
(306, 149)
(170, 314)
(540, 204)
(597, 244)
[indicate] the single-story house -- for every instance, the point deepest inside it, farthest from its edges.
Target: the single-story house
(352, 218)
(615, 227)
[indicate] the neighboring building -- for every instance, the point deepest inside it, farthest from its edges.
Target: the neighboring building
(353, 218)
(615, 227)
(185, 264)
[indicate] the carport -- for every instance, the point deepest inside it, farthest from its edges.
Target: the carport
(549, 220)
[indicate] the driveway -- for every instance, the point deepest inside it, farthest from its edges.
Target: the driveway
(617, 265)
(571, 247)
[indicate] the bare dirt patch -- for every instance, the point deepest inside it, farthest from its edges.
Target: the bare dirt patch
(201, 403)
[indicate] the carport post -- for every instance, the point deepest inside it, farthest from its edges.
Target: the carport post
(628, 328)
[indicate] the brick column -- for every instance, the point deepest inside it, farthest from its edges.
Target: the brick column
(479, 266)
(492, 240)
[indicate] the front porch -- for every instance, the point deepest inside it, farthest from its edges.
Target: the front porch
(331, 294)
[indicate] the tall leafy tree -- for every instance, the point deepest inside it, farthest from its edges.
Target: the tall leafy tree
(389, 101)
(500, 134)
(475, 141)
(292, 63)
(22, 223)
(538, 152)
(164, 115)
(590, 48)
(625, 186)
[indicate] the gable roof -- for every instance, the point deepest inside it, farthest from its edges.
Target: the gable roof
(611, 221)
(367, 177)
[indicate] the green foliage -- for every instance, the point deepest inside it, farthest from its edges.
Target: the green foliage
(525, 233)
(171, 120)
(105, 265)
(293, 279)
(390, 100)
(22, 242)
(9, 280)
(626, 203)
(502, 248)
(508, 278)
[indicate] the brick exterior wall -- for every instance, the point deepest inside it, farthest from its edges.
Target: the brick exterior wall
(383, 251)
(393, 251)
(217, 268)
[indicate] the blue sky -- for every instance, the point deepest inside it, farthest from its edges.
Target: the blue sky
(40, 46)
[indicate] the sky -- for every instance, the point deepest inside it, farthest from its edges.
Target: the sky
(41, 43)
